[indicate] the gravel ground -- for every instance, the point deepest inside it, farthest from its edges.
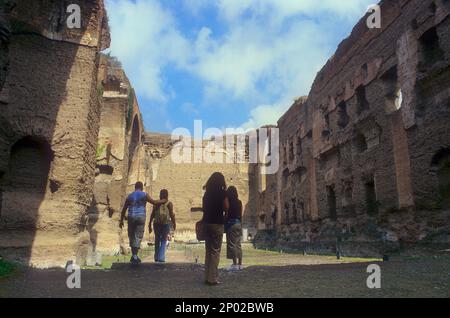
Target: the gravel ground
(412, 277)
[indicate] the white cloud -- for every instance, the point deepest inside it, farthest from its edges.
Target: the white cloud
(268, 54)
(146, 40)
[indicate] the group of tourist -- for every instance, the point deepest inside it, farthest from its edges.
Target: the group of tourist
(222, 213)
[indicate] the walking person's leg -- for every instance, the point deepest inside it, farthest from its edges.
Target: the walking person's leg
(239, 245)
(139, 235)
(216, 232)
(165, 230)
(234, 250)
(155, 230)
(207, 256)
(131, 237)
(161, 242)
(231, 249)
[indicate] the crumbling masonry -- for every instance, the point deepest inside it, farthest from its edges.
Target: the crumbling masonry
(49, 123)
(366, 156)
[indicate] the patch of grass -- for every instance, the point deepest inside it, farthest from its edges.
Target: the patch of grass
(100, 150)
(259, 257)
(100, 90)
(6, 268)
(251, 257)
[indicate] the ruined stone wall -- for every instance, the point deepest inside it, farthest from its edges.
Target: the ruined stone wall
(5, 33)
(365, 156)
(118, 162)
(49, 123)
(185, 181)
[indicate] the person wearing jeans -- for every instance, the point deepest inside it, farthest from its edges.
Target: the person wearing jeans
(162, 232)
(136, 204)
(162, 216)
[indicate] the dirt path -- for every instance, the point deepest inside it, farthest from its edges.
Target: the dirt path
(412, 278)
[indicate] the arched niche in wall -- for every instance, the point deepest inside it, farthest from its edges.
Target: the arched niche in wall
(441, 165)
(134, 140)
(25, 182)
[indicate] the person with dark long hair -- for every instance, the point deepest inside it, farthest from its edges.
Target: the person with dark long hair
(233, 229)
(215, 204)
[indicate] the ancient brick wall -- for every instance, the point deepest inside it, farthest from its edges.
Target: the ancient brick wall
(365, 156)
(118, 158)
(49, 123)
(185, 181)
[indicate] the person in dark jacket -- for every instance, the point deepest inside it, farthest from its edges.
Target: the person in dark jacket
(215, 203)
(233, 229)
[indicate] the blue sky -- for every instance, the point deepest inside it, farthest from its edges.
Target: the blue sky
(230, 63)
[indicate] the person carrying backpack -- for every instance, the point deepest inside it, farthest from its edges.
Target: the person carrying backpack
(162, 216)
(136, 204)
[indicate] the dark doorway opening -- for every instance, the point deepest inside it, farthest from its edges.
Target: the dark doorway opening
(332, 206)
(363, 103)
(344, 118)
(430, 48)
(371, 198)
(441, 162)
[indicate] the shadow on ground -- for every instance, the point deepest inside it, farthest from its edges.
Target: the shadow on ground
(424, 277)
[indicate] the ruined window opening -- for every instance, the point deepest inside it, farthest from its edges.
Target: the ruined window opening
(2, 173)
(286, 211)
(262, 218)
(291, 151)
(394, 95)
(29, 165)
(431, 50)
(363, 103)
(344, 119)
(301, 213)
(361, 143)
(286, 177)
(106, 170)
(331, 200)
(398, 99)
(371, 198)
(294, 211)
(301, 173)
(433, 8)
(365, 71)
(441, 162)
(55, 186)
(326, 131)
(299, 146)
(348, 196)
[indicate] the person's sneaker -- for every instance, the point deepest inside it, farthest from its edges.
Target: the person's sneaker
(134, 260)
(213, 284)
(233, 268)
(138, 260)
(241, 267)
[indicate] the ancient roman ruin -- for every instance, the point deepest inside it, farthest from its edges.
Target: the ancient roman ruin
(365, 158)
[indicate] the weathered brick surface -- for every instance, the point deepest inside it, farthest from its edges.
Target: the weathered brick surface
(185, 181)
(118, 157)
(354, 165)
(49, 119)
